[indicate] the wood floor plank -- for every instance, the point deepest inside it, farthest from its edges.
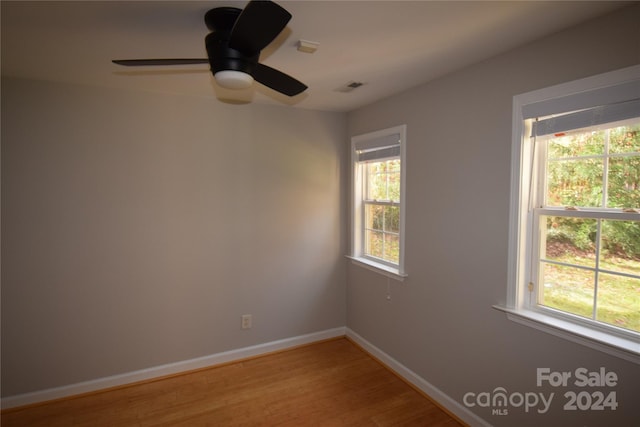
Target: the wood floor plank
(331, 383)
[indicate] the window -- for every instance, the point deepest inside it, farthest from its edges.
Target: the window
(378, 200)
(575, 215)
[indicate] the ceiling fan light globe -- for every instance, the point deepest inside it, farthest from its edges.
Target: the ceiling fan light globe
(231, 79)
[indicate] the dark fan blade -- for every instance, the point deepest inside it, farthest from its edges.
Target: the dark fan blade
(146, 62)
(259, 23)
(278, 80)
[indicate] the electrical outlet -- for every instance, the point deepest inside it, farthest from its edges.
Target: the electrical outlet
(246, 321)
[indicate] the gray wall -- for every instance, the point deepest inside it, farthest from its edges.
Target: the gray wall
(440, 322)
(137, 228)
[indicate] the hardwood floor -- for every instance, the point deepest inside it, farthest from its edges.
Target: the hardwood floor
(331, 383)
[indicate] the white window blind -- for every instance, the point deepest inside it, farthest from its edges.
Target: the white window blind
(587, 118)
(584, 99)
(381, 148)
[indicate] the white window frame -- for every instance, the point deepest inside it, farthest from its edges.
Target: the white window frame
(373, 139)
(609, 88)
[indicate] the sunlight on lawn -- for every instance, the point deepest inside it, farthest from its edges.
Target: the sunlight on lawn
(572, 290)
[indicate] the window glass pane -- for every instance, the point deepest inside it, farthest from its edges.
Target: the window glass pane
(382, 217)
(383, 180)
(621, 247)
(575, 182)
(382, 224)
(619, 301)
(394, 165)
(393, 188)
(376, 181)
(391, 248)
(625, 139)
(392, 219)
(374, 242)
(375, 186)
(570, 240)
(576, 145)
(374, 217)
(568, 289)
(623, 189)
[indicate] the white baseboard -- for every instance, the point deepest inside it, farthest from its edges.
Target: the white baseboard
(429, 389)
(168, 369)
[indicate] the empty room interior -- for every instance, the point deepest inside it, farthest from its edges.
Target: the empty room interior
(157, 220)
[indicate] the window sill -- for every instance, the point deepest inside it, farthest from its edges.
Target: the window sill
(617, 346)
(385, 270)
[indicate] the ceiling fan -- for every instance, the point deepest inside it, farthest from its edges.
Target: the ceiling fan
(233, 47)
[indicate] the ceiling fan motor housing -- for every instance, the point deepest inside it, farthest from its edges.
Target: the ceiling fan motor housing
(220, 22)
(222, 57)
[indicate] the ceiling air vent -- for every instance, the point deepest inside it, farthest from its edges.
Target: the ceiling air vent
(350, 86)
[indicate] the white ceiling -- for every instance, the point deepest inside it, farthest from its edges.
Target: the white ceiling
(390, 46)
